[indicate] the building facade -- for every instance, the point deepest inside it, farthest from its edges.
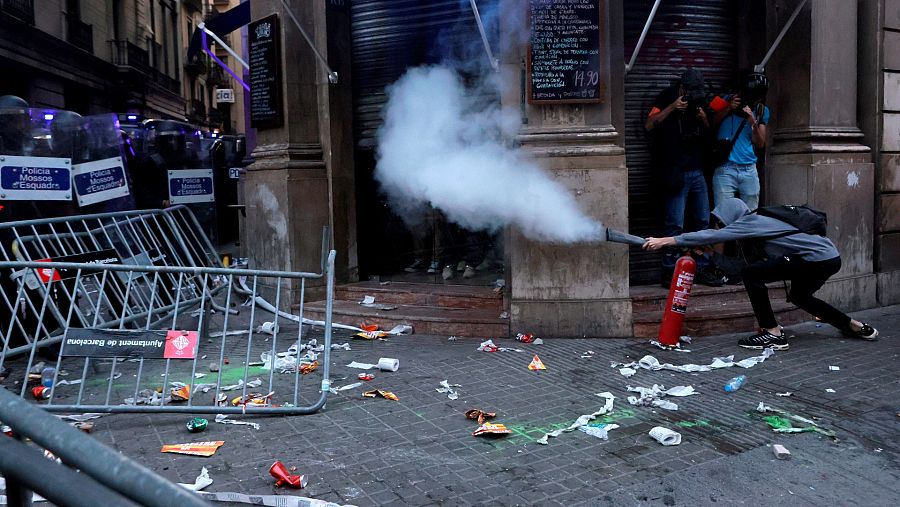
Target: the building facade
(95, 56)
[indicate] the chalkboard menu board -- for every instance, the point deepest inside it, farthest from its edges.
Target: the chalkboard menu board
(564, 64)
(265, 73)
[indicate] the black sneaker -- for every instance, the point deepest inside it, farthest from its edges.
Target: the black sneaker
(866, 333)
(709, 279)
(763, 340)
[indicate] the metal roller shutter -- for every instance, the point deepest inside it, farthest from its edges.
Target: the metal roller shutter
(695, 33)
(390, 36)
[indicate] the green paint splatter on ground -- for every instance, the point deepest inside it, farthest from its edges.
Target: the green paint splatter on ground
(702, 423)
(615, 416)
(532, 433)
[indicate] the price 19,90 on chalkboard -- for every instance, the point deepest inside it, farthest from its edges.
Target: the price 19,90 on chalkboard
(564, 64)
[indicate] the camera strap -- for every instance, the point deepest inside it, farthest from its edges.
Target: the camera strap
(737, 133)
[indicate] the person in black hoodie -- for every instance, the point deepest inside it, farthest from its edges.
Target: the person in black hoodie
(807, 260)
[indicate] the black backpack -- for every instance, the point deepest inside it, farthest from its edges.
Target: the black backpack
(804, 218)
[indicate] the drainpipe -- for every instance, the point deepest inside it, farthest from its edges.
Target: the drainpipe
(637, 49)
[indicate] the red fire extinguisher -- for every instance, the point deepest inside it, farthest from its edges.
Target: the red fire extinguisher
(676, 304)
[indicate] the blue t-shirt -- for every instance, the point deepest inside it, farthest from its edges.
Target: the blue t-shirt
(742, 153)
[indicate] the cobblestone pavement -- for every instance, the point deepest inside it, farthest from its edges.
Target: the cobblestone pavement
(420, 451)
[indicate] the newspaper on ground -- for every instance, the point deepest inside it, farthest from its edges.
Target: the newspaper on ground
(582, 420)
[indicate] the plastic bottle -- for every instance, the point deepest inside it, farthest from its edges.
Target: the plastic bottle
(735, 383)
(47, 375)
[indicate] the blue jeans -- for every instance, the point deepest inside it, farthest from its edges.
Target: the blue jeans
(691, 197)
(734, 180)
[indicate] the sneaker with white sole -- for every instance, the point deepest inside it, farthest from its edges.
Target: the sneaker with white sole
(434, 267)
(447, 273)
(469, 272)
(764, 340)
(867, 332)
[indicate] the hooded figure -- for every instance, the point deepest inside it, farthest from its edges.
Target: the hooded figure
(807, 260)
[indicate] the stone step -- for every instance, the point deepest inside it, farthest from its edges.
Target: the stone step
(716, 319)
(427, 320)
(649, 298)
(424, 294)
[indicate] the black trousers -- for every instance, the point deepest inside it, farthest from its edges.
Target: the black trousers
(806, 278)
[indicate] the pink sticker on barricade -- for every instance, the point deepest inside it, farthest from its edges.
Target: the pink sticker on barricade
(180, 345)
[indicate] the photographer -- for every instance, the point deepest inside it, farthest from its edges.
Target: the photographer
(678, 124)
(741, 120)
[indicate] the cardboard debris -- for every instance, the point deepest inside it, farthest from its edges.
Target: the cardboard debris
(493, 429)
(194, 448)
(479, 415)
(378, 392)
(536, 364)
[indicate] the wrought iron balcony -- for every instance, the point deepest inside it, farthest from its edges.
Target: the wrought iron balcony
(127, 54)
(81, 35)
(21, 9)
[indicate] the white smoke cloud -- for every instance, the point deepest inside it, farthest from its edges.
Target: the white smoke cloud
(442, 145)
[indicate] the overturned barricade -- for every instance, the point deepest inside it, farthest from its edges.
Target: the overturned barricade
(132, 312)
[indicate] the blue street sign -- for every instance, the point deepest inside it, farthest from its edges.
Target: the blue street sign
(35, 178)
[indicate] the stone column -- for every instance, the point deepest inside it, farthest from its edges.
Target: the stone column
(816, 155)
(302, 176)
(578, 290)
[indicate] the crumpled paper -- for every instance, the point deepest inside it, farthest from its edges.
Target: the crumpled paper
(448, 388)
(200, 482)
(362, 366)
(651, 363)
(490, 346)
(223, 419)
(601, 431)
(252, 384)
(650, 396)
(582, 420)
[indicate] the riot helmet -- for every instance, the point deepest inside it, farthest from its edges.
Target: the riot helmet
(65, 133)
(15, 124)
(169, 140)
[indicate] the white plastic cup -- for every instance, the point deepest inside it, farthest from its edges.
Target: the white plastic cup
(388, 364)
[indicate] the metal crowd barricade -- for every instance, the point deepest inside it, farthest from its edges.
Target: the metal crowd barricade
(181, 366)
(167, 238)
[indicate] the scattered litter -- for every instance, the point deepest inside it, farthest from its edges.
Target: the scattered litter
(220, 334)
(182, 393)
(447, 388)
(489, 346)
(401, 329)
(536, 364)
(354, 385)
(650, 396)
(361, 366)
(504, 315)
(538, 341)
(834, 368)
(200, 482)
(370, 332)
(309, 367)
(369, 302)
(676, 347)
(651, 363)
(81, 417)
(781, 451)
(830, 390)
(582, 420)
(365, 376)
(342, 346)
(878, 449)
(601, 431)
(626, 372)
(378, 392)
(194, 448)
(68, 382)
(199, 375)
(685, 339)
(453, 339)
(86, 427)
(147, 397)
(525, 337)
(267, 500)
(783, 424)
(213, 367)
(479, 415)
(665, 436)
(196, 425)
(492, 429)
(223, 419)
(388, 364)
(253, 400)
(588, 355)
(269, 328)
(252, 384)
(283, 476)
(499, 283)
(784, 394)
